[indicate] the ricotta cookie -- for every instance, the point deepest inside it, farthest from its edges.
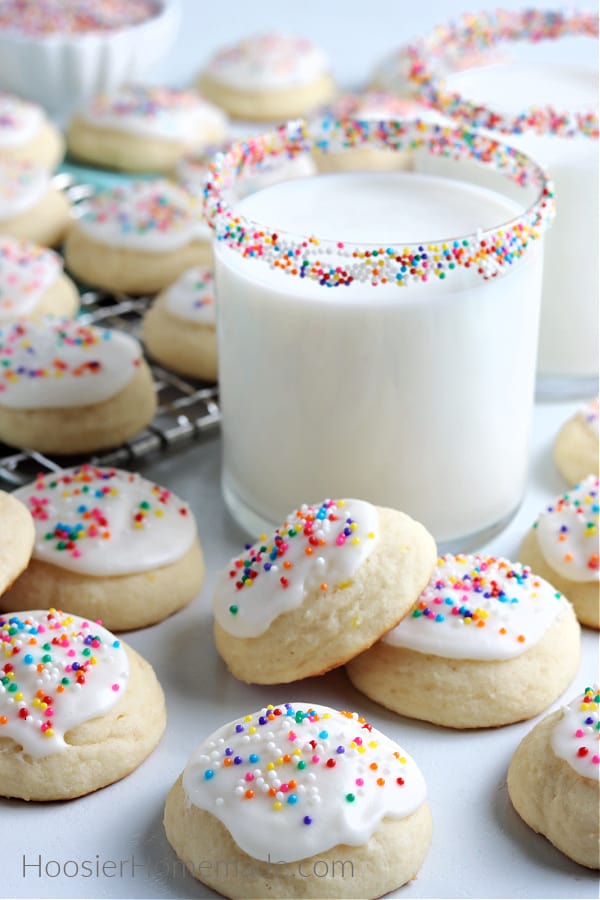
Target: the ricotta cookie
(563, 547)
(32, 282)
(109, 545)
(179, 329)
(144, 128)
(577, 449)
(70, 388)
(30, 208)
(371, 107)
(79, 709)
(27, 134)
(17, 536)
(324, 587)
(554, 778)
(138, 237)
(284, 792)
(268, 77)
(192, 172)
(487, 643)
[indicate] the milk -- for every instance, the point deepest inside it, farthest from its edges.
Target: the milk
(568, 345)
(417, 398)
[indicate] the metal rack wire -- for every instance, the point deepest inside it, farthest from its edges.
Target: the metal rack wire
(187, 409)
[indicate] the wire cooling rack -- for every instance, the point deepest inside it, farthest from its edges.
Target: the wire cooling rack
(187, 409)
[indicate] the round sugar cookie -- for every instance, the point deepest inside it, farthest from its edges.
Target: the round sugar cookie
(283, 792)
(69, 388)
(554, 778)
(27, 134)
(192, 172)
(324, 587)
(576, 449)
(138, 237)
(268, 77)
(179, 329)
(32, 282)
(486, 644)
(144, 128)
(563, 547)
(30, 208)
(96, 717)
(109, 545)
(17, 537)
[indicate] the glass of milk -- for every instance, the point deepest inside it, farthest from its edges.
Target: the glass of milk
(538, 101)
(377, 331)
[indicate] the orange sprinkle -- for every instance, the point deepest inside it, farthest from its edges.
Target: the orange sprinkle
(308, 551)
(287, 564)
(373, 766)
(323, 587)
(381, 782)
(481, 624)
(249, 794)
(521, 639)
(3, 720)
(272, 792)
(227, 761)
(502, 630)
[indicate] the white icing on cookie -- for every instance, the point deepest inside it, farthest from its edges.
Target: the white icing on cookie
(153, 216)
(576, 737)
(22, 185)
(192, 297)
(567, 532)
(376, 106)
(477, 607)
(268, 62)
(318, 547)
(297, 779)
(26, 272)
(168, 113)
(56, 671)
(103, 521)
(53, 363)
(589, 414)
(19, 120)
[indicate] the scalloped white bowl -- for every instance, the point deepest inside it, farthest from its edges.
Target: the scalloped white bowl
(63, 71)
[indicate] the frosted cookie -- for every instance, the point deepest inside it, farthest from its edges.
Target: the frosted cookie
(283, 792)
(32, 282)
(144, 128)
(70, 388)
(192, 172)
(138, 237)
(487, 643)
(30, 207)
(371, 107)
(563, 547)
(109, 545)
(179, 329)
(576, 448)
(79, 709)
(27, 134)
(268, 77)
(554, 778)
(17, 537)
(325, 586)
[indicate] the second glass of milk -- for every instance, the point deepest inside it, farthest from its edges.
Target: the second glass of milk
(417, 397)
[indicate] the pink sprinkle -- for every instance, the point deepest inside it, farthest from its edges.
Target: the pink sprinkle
(316, 758)
(71, 653)
(360, 782)
(596, 759)
(340, 540)
(579, 732)
(115, 687)
(249, 776)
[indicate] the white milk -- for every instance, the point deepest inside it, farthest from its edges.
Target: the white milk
(568, 344)
(417, 398)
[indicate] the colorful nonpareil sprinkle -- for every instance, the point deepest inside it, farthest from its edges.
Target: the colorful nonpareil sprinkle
(39, 18)
(268, 60)
(424, 64)
(56, 671)
(106, 521)
(567, 532)
(375, 105)
(192, 298)
(332, 263)
(26, 272)
(306, 776)
(576, 737)
(146, 101)
(21, 183)
(479, 607)
(318, 548)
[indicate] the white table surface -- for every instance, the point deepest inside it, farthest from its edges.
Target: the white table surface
(481, 848)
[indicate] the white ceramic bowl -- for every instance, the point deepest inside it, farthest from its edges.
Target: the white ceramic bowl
(63, 71)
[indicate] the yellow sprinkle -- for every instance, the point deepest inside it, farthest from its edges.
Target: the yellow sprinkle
(49, 733)
(270, 767)
(297, 752)
(373, 744)
(19, 696)
(362, 749)
(93, 660)
(252, 729)
(403, 760)
(277, 805)
(344, 584)
(247, 718)
(371, 535)
(159, 513)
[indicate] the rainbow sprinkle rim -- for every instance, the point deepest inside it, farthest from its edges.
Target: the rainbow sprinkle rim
(423, 63)
(335, 263)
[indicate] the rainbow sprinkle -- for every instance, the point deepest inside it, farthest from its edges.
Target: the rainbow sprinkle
(335, 263)
(41, 18)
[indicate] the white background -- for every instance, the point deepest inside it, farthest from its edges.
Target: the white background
(481, 849)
